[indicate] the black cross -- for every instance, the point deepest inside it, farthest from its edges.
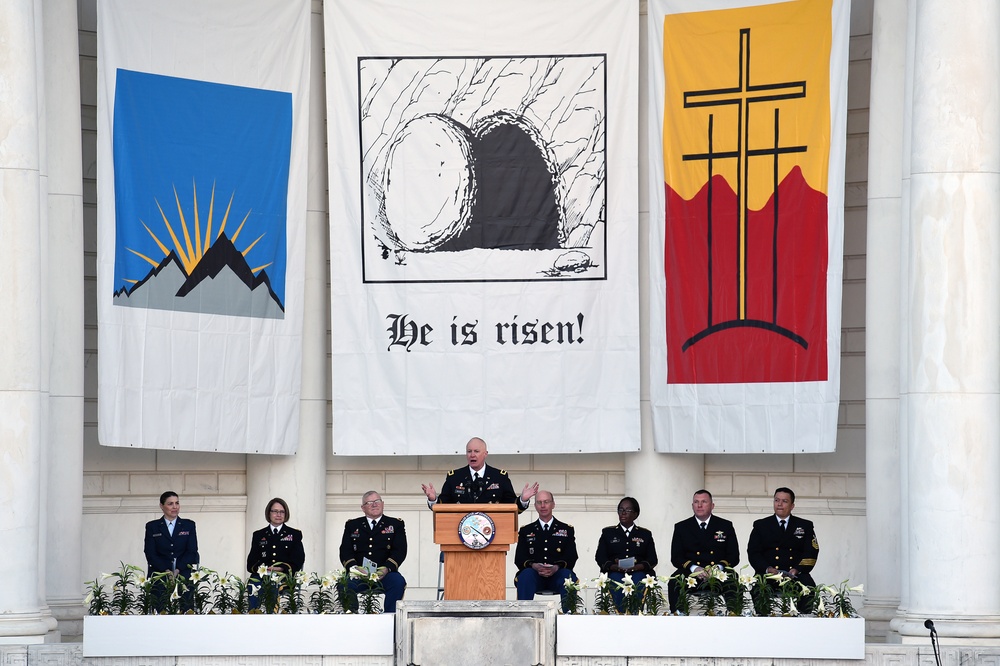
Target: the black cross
(742, 95)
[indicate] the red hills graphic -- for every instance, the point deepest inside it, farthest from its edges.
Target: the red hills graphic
(781, 334)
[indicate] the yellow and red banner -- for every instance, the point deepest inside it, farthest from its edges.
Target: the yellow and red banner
(749, 100)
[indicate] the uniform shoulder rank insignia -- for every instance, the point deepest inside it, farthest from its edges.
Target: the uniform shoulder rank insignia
(451, 472)
(503, 472)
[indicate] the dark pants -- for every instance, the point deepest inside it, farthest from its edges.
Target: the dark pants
(393, 585)
(528, 582)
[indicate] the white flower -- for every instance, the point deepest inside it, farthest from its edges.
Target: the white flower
(176, 594)
(721, 574)
(857, 588)
(327, 581)
(650, 582)
(87, 599)
(692, 581)
(627, 579)
(196, 575)
(253, 589)
(569, 584)
(627, 590)
(602, 581)
(300, 577)
(804, 589)
(261, 570)
(276, 576)
(141, 579)
(105, 576)
(746, 581)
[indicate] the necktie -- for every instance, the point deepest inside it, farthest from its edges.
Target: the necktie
(782, 526)
(170, 527)
(373, 525)
(545, 529)
(703, 524)
(274, 530)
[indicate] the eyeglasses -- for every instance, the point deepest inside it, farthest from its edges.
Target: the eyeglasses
(277, 511)
(372, 503)
(626, 510)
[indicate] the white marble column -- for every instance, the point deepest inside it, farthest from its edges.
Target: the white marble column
(663, 483)
(64, 445)
(953, 378)
(882, 315)
(21, 619)
(301, 479)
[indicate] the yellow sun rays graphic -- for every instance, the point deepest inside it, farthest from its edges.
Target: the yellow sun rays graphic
(189, 252)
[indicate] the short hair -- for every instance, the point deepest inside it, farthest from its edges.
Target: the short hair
(790, 492)
(167, 495)
(703, 492)
(276, 500)
(364, 498)
(634, 501)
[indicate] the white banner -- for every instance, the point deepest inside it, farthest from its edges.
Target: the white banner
(202, 129)
(748, 117)
(484, 220)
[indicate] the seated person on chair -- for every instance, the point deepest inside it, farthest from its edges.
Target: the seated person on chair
(546, 552)
(626, 549)
(276, 547)
(379, 541)
(478, 483)
(701, 541)
(784, 544)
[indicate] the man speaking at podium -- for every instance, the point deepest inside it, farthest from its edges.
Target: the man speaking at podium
(478, 483)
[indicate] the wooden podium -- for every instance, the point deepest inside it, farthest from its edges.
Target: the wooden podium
(469, 573)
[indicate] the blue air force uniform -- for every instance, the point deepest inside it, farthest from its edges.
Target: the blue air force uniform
(166, 552)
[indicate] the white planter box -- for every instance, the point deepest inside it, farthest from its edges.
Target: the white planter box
(237, 635)
(744, 637)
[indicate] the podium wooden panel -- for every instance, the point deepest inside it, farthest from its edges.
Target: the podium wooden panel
(475, 574)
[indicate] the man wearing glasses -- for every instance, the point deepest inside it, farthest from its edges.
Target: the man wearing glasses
(375, 543)
(546, 552)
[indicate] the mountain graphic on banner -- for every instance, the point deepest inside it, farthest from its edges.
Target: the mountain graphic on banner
(750, 314)
(222, 279)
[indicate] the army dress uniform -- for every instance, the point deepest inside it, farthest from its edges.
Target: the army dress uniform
(537, 545)
(283, 549)
(694, 546)
(385, 545)
(615, 545)
(494, 487)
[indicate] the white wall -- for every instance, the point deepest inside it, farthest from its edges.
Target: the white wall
(121, 486)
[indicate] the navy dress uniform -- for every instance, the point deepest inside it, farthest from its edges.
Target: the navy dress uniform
(793, 546)
(695, 546)
(615, 544)
(493, 487)
(385, 545)
(279, 547)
